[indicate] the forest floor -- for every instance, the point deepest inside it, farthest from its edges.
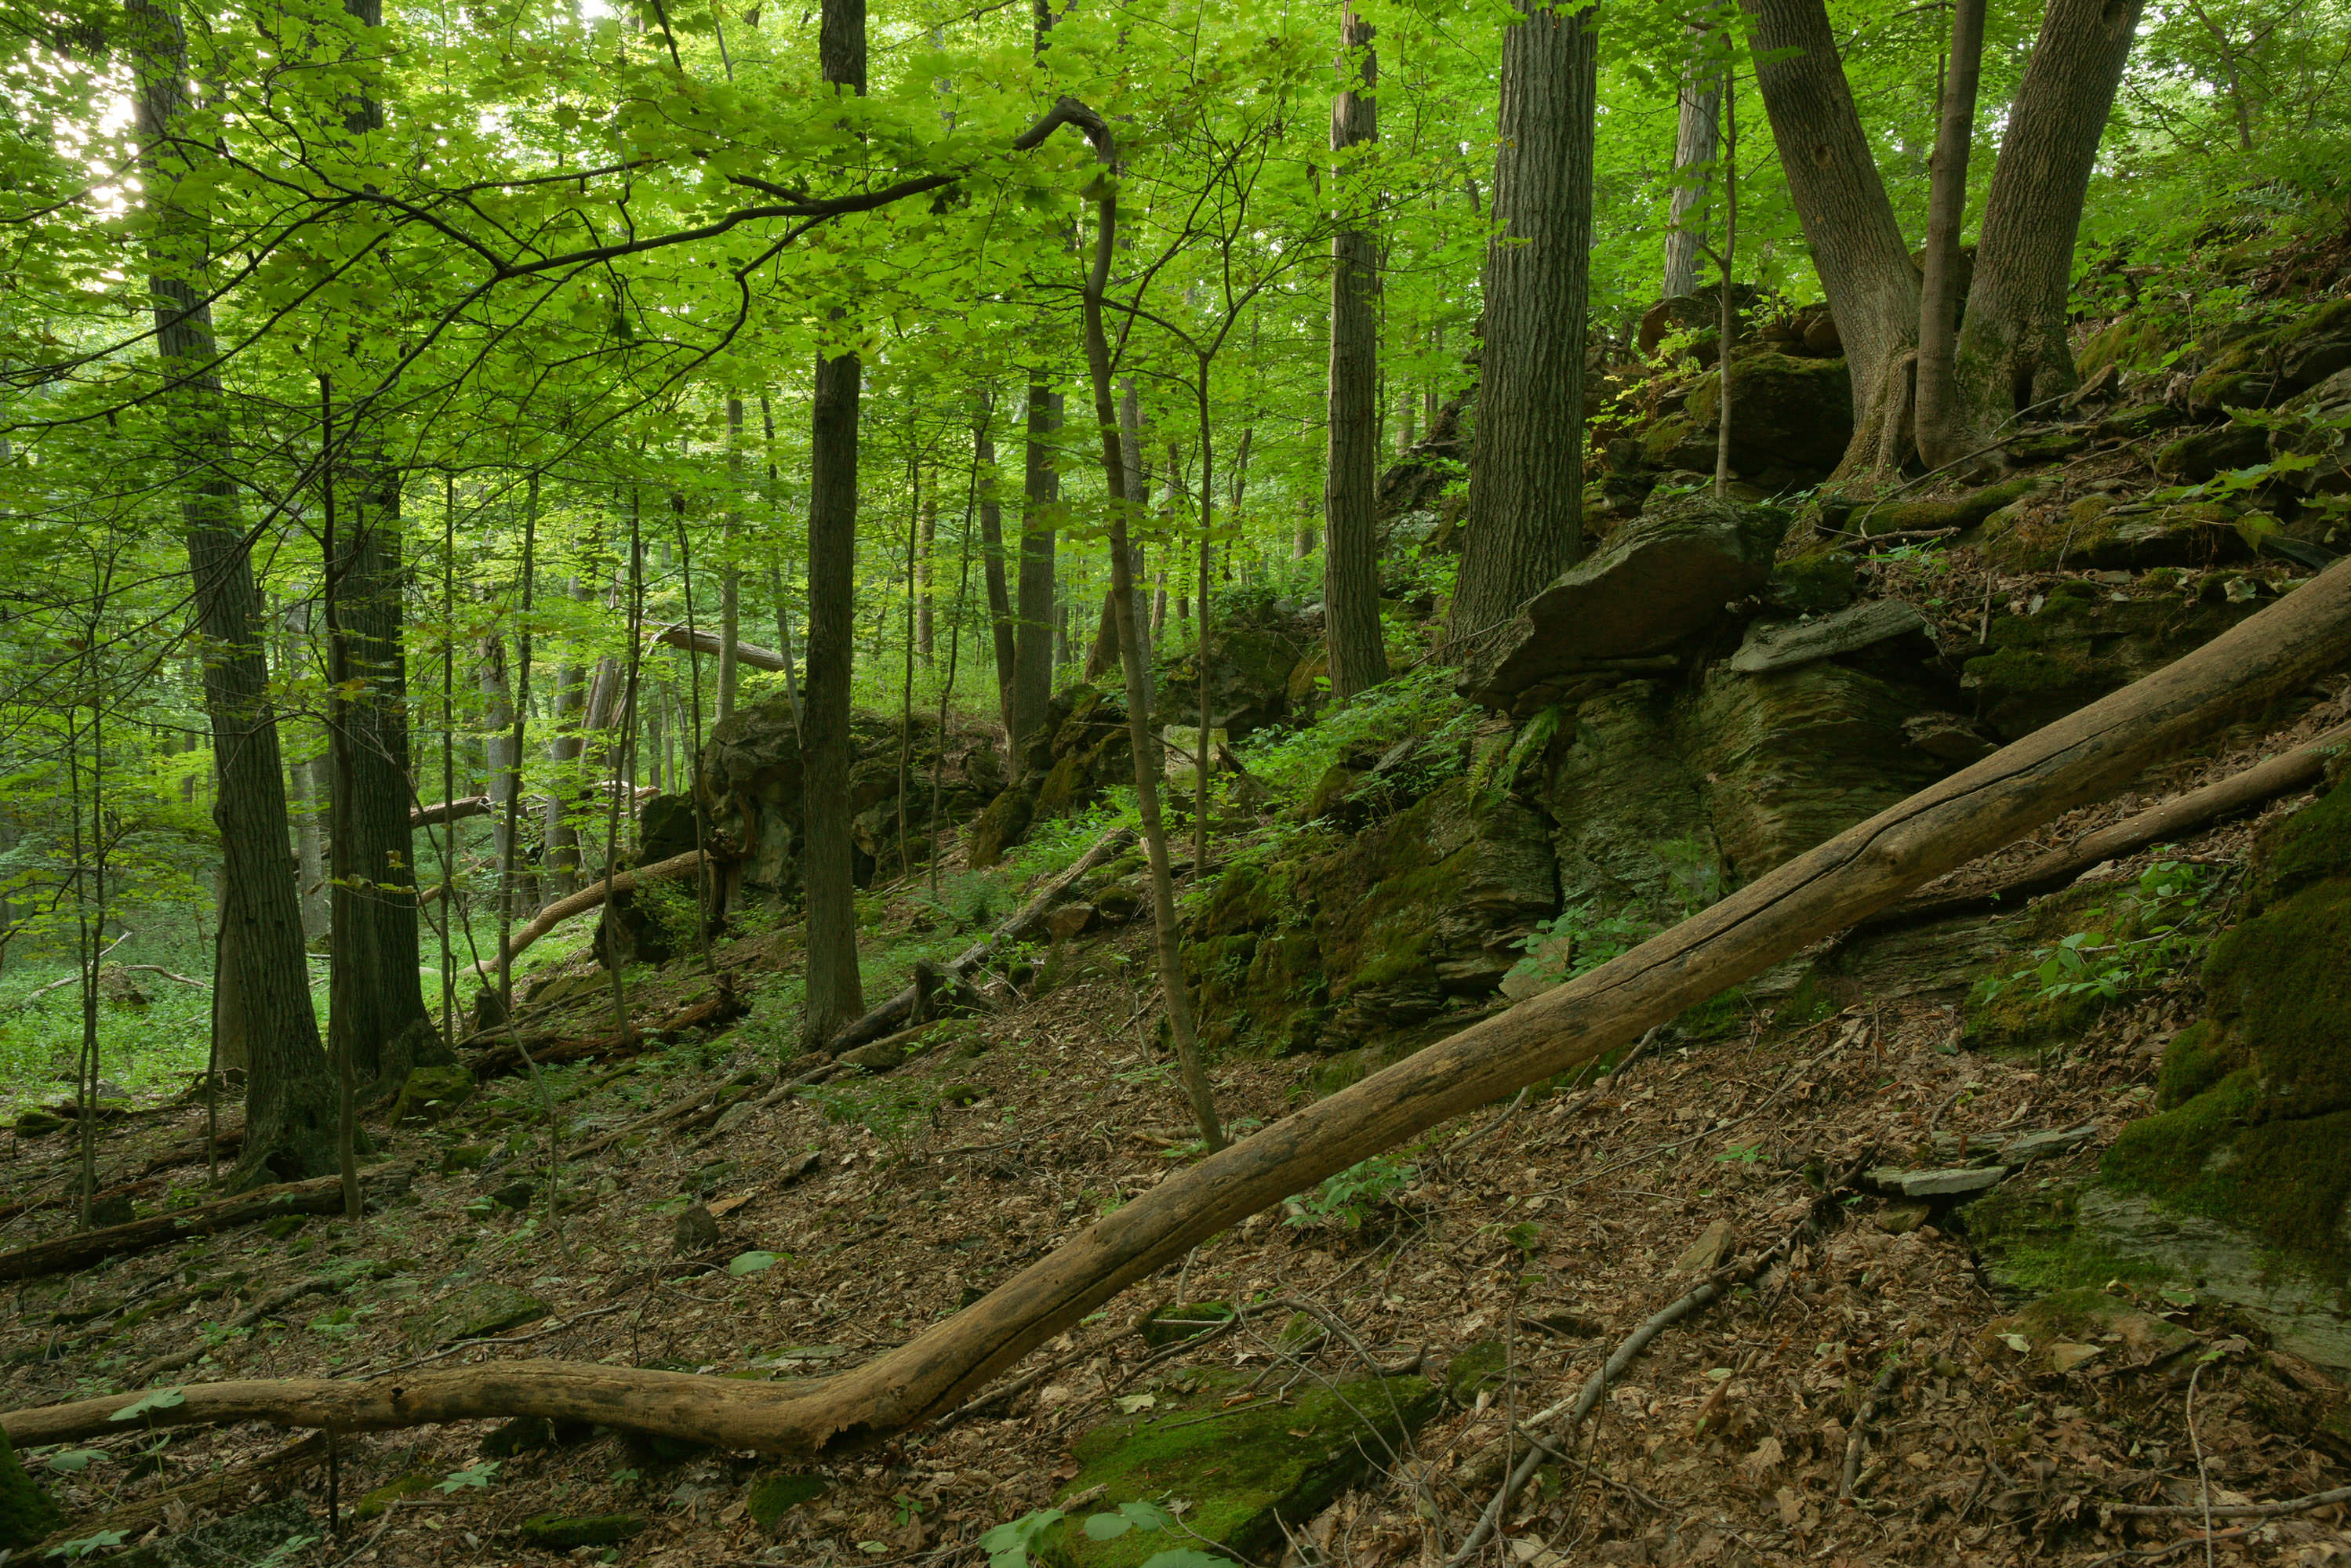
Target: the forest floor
(1551, 1226)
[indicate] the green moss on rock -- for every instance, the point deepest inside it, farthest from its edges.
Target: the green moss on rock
(2296, 851)
(1248, 1472)
(431, 1094)
(26, 1514)
(563, 1532)
(770, 1498)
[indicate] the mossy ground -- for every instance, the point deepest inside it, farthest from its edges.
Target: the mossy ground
(1247, 1470)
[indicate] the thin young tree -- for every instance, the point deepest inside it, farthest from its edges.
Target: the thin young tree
(1944, 432)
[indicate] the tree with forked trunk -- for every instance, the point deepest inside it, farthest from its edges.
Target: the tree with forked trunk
(2010, 353)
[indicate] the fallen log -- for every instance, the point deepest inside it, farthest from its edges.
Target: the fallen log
(899, 1011)
(2079, 759)
(228, 1488)
(2174, 818)
(703, 640)
(587, 898)
(444, 811)
(320, 1195)
(721, 1006)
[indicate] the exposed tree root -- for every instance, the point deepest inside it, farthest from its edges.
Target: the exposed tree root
(2081, 758)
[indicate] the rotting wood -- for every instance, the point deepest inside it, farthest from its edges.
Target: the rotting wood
(2079, 759)
(2169, 820)
(722, 1006)
(587, 898)
(899, 1011)
(700, 640)
(443, 812)
(320, 1195)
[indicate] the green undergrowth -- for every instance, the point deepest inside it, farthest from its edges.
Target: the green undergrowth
(1419, 703)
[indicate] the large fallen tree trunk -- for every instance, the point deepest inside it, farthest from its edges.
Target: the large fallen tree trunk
(321, 1195)
(506, 1054)
(899, 1011)
(2161, 823)
(2079, 759)
(588, 898)
(700, 640)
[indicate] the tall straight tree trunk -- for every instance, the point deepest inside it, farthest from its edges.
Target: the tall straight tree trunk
(1525, 512)
(290, 1096)
(776, 568)
(926, 533)
(376, 1008)
(991, 558)
(1136, 468)
(567, 741)
(1856, 245)
(1697, 114)
(309, 851)
(1943, 434)
(2012, 351)
(835, 993)
(1032, 635)
(730, 578)
(504, 767)
(1351, 550)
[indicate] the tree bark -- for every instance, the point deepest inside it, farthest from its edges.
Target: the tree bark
(1350, 554)
(2081, 757)
(2012, 351)
(1032, 636)
(992, 562)
(836, 995)
(566, 742)
(289, 1093)
(1857, 244)
(926, 533)
(376, 999)
(1525, 509)
(730, 578)
(1695, 138)
(1944, 434)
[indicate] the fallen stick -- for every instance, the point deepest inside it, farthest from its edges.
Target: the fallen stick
(724, 1006)
(167, 974)
(1857, 1440)
(2236, 1510)
(683, 1106)
(1570, 1414)
(321, 1195)
(898, 1011)
(2079, 758)
(276, 1302)
(587, 898)
(2174, 818)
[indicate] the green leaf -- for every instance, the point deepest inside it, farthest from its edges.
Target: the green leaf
(751, 1263)
(1107, 1526)
(161, 1399)
(74, 1460)
(473, 1477)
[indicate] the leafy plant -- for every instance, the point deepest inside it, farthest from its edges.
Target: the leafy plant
(2157, 928)
(475, 1478)
(1579, 937)
(1348, 1198)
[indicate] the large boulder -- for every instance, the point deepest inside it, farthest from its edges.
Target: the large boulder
(1065, 763)
(1788, 415)
(1254, 645)
(751, 791)
(2239, 1190)
(1671, 574)
(2263, 369)
(1632, 821)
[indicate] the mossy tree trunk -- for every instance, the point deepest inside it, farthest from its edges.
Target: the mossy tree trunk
(1351, 553)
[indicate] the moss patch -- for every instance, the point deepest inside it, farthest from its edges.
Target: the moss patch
(561, 1532)
(1248, 1471)
(27, 1514)
(2311, 844)
(770, 1498)
(2029, 1243)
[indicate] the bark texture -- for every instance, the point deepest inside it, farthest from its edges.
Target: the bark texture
(289, 1095)
(1695, 141)
(1943, 434)
(1857, 244)
(1525, 513)
(1350, 556)
(1032, 635)
(2081, 757)
(836, 995)
(991, 566)
(2012, 351)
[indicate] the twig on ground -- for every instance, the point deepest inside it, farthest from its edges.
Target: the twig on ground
(2211, 1509)
(1857, 1439)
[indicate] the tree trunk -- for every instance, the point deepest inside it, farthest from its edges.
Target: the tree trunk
(1525, 512)
(309, 851)
(289, 1094)
(776, 571)
(1350, 554)
(232, 1020)
(991, 561)
(1032, 638)
(376, 1000)
(2081, 757)
(730, 578)
(2012, 352)
(1943, 434)
(836, 996)
(926, 533)
(497, 742)
(1856, 245)
(566, 742)
(1699, 107)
